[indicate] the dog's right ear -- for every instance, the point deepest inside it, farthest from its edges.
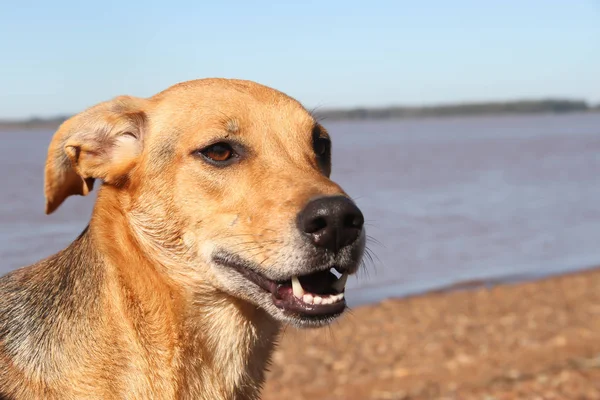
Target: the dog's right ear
(103, 142)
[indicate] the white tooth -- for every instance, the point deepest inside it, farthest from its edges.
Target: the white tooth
(297, 287)
(317, 300)
(308, 298)
(327, 300)
(340, 284)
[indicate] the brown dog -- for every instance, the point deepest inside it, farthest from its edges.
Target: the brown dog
(216, 223)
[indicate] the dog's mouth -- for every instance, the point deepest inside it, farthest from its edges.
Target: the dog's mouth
(317, 295)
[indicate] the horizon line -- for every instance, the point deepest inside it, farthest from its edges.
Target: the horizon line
(319, 109)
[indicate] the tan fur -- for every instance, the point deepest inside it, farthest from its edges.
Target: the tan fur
(133, 309)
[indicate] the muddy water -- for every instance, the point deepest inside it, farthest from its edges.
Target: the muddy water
(446, 200)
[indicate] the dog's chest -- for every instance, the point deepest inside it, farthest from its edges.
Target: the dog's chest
(225, 358)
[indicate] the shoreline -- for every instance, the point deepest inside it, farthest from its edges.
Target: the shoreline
(366, 294)
(328, 116)
(513, 340)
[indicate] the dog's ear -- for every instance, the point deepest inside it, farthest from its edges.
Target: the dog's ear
(103, 142)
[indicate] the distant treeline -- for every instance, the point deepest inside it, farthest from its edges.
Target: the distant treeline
(466, 109)
(32, 123)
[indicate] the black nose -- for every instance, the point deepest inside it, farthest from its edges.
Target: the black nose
(331, 222)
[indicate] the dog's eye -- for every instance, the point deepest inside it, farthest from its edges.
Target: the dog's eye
(322, 147)
(218, 152)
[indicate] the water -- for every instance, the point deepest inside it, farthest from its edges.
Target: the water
(450, 200)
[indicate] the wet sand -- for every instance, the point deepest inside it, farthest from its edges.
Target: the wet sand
(536, 340)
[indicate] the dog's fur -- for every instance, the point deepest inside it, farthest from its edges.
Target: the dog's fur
(135, 308)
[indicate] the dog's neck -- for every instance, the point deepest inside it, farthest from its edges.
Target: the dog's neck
(210, 344)
(228, 344)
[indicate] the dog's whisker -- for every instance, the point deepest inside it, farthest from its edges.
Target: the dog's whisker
(371, 239)
(372, 256)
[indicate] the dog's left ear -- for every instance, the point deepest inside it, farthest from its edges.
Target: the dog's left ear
(103, 142)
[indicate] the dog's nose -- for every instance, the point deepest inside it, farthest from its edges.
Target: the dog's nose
(331, 222)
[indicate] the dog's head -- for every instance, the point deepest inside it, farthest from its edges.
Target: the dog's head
(222, 183)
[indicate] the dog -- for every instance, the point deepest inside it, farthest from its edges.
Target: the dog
(216, 223)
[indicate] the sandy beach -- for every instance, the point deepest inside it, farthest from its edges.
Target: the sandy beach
(535, 340)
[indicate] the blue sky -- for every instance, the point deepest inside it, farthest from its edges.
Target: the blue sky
(62, 56)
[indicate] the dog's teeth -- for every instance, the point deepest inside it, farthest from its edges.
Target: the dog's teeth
(308, 298)
(340, 284)
(297, 287)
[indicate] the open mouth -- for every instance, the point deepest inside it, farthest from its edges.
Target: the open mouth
(316, 295)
